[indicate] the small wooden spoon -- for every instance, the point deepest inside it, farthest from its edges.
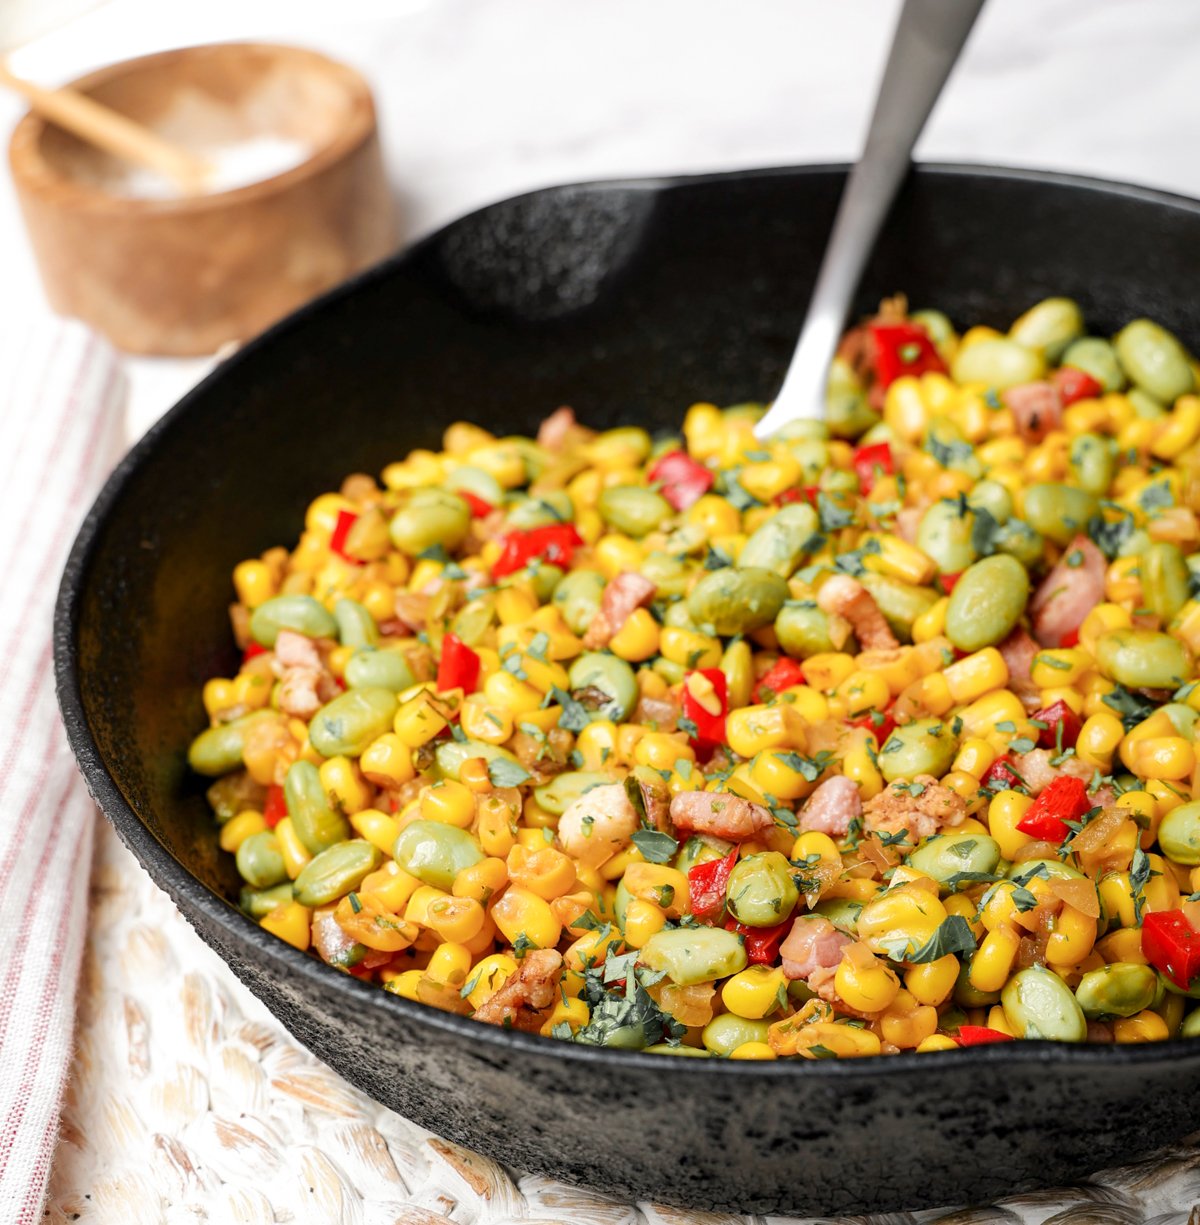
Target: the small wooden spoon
(113, 132)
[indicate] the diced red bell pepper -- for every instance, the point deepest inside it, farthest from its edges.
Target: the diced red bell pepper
(949, 581)
(881, 730)
(980, 1035)
(252, 649)
(682, 481)
(1073, 384)
(707, 883)
(458, 667)
(479, 508)
(903, 348)
(1070, 639)
(781, 675)
(346, 519)
(762, 943)
(1172, 945)
(870, 462)
(1053, 715)
(1066, 799)
(275, 807)
(788, 496)
(556, 544)
(1001, 776)
(710, 728)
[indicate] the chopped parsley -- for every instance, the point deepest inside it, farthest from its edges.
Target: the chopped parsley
(505, 773)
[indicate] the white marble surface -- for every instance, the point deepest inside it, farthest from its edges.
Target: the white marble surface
(482, 98)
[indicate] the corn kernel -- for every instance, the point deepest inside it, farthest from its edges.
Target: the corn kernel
(236, 830)
(1146, 1026)
(291, 922)
(295, 853)
(520, 912)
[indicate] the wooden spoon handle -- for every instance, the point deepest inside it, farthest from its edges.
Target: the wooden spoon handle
(111, 131)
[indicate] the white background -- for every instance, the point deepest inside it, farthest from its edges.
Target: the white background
(482, 98)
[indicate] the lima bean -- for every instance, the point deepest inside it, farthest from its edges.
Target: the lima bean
(987, 602)
(578, 597)
(348, 724)
(553, 506)
(945, 856)
(925, 746)
(217, 750)
(258, 903)
(260, 862)
(803, 629)
(612, 677)
(694, 954)
(336, 871)
(633, 509)
(1017, 539)
(1038, 1004)
(737, 601)
(1154, 360)
(999, 364)
(761, 890)
(1098, 358)
(901, 603)
(556, 795)
(1059, 512)
(317, 824)
(430, 517)
(435, 852)
(1121, 989)
(779, 543)
(945, 535)
(1179, 834)
(842, 912)
(1142, 659)
(370, 668)
(1049, 327)
(356, 626)
(668, 573)
(991, 496)
(291, 612)
(450, 755)
(1093, 462)
(724, 1034)
(1191, 1025)
(1165, 579)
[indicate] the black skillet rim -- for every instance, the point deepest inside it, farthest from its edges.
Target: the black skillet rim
(184, 888)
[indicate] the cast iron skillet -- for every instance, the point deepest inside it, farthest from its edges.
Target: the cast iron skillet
(629, 301)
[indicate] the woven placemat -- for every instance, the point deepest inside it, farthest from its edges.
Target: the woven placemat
(189, 1103)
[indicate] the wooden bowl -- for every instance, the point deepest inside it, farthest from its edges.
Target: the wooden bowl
(185, 275)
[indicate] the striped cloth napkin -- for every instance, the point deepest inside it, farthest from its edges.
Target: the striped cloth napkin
(62, 395)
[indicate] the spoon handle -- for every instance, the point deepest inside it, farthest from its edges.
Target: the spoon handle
(928, 39)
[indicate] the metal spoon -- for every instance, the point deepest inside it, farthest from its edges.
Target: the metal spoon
(925, 47)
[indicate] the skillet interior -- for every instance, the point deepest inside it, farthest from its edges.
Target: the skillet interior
(629, 301)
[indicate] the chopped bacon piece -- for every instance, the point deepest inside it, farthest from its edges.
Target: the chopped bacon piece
(1068, 593)
(626, 593)
(832, 806)
(720, 813)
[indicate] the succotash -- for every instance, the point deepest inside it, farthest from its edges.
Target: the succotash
(879, 736)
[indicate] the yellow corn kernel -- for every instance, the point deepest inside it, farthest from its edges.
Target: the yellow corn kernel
(614, 553)
(975, 757)
(449, 965)
(573, 1013)
(218, 695)
(1072, 939)
(236, 830)
(714, 516)
(906, 413)
(857, 889)
(1005, 811)
(515, 605)
(755, 729)
(1121, 583)
(937, 1042)
(966, 786)
(1146, 1026)
(689, 648)
(993, 961)
(483, 720)
(1180, 431)
(544, 871)
(826, 670)
(859, 768)
(903, 918)
(976, 674)
(416, 909)
(497, 826)
(291, 922)
(1055, 668)
(1101, 620)
(376, 827)
(503, 689)
(1162, 757)
(766, 479)
(473, 774)
(864, 692)
(896, 558)
(773, 773)
(868, 986)
(419, 720)
(907, 1023)
(753, 1050)
(755, 992)
(597, 743)
(253, 582)
(1166, 795)
(391, 885)
(666, 887)
(448, 801)
(614, 868)
(487, 976)
(810, 704)
(482, 881)
(661, 750)
(295, 853)
(982, 715)
(845, 1041)
(591, 948)
(931, 623)
(455, 919)
(813, 843)
(637, 640)
(344, 785)
(1098, 739)
(520, 912)
(642, 920)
